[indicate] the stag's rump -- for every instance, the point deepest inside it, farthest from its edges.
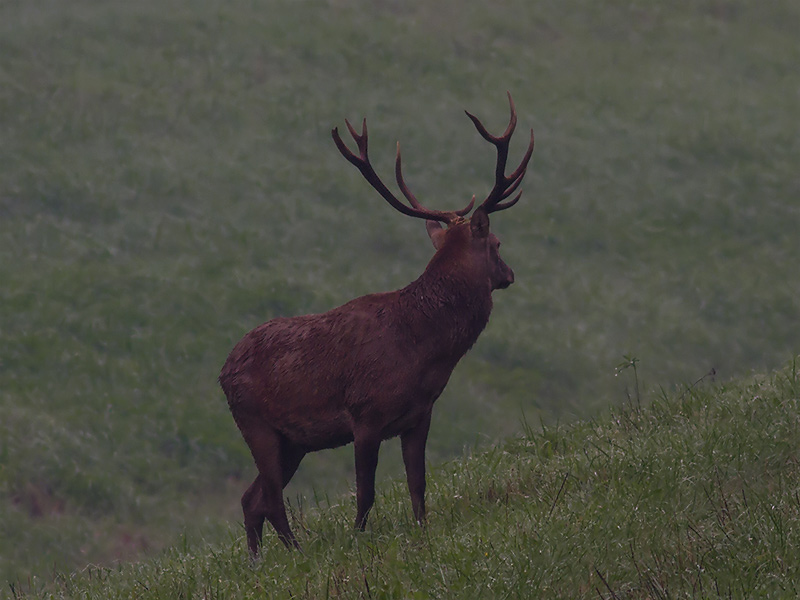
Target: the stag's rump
(286, 371)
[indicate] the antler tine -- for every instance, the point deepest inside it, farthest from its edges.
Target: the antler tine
(398, 173)
(345, 151)
(504, 205)
(512, 124)
(361, 162)
(465, 211)
(503, 186)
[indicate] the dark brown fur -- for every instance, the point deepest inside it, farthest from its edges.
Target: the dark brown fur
(363, 372)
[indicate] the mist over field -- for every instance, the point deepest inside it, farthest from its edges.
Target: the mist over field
(168, 182)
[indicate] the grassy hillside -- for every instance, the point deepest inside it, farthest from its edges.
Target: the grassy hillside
(167, 182)
(693, 495)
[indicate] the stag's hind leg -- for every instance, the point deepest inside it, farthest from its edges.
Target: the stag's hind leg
(277, 461)
(254, 514)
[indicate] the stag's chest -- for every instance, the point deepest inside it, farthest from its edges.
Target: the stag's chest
(397, 404)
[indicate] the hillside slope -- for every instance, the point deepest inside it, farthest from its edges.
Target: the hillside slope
(692, 495)
(168, 182)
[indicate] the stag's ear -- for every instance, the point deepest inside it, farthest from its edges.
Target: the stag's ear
(479, 223)
(436, 233)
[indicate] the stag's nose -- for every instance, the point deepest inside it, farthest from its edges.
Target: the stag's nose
(506, 280)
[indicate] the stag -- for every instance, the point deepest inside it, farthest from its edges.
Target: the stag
(371, 369)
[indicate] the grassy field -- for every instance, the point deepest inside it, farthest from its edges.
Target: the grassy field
(696, 495)
(167, 182)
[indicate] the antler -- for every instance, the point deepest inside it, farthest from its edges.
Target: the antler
(362, 163)
(503, 186)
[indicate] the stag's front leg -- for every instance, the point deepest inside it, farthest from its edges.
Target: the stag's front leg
(367, 447)
(413, 443)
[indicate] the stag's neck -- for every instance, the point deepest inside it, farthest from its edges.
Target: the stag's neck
(450, 306)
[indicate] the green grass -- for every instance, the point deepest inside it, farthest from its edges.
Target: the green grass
(691, 495)
(167, 182)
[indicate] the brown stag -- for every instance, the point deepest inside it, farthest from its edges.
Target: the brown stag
(371, 369)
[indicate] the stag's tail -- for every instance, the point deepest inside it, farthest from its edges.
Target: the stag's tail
(231, 383)
(232, 380)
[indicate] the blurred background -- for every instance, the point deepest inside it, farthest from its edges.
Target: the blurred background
(168, 182)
